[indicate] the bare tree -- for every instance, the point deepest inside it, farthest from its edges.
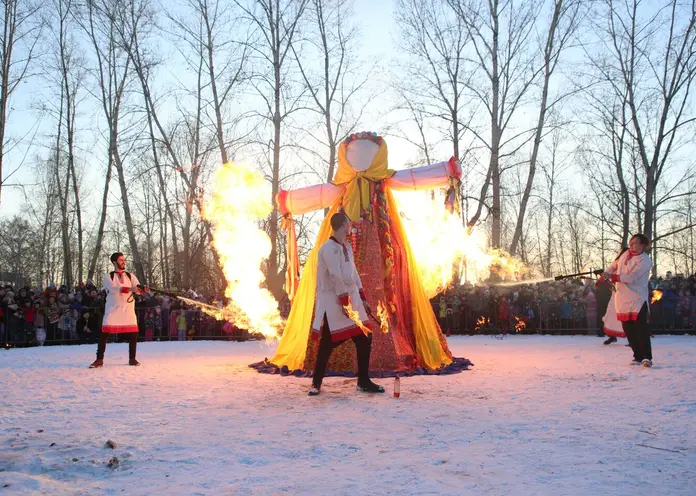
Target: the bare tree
(61, 72)
(651, 57)
(19, 250)
(98, 20)
(206, 28)
(277, 23)
(136, 23)
(565, 19)
(552, 171)
(434, 39)
(604, 155)
(21, 33)
(69, 65)
(326, 57)
(504, 71)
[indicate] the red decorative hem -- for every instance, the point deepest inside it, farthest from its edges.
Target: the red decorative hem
(118, 329)
(345, 333)
(627, 317)
(614, 334)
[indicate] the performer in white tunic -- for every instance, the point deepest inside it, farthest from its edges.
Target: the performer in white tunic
(119, 313)
(339, 291)
(630, 274)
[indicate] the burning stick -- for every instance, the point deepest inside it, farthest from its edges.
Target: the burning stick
(657, 296)
(355, 317)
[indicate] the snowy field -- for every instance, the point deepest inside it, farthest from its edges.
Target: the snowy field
(535, 415)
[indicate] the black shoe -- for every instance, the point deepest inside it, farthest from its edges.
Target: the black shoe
(610, 340)
(97, 363)
(134, 363)
(370, 387)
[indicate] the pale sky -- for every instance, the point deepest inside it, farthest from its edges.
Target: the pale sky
(376, 23)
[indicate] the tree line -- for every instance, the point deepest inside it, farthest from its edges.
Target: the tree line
(572, 120)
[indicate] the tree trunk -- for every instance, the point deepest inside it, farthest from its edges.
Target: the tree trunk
(130, 229)
(495, 133)
(548, 53)
(213, 88)
(165, 196)
(102, 220)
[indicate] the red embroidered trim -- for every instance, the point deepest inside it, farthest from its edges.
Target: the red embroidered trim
(117, 329)
(627, 317)
(346, 332)
(615, 334)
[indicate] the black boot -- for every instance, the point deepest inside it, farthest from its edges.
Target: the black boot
(370, 387)
(610, 339)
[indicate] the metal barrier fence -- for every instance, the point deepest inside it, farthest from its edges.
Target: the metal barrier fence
(158, 324)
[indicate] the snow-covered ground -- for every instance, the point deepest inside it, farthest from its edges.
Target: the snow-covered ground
(535, 415)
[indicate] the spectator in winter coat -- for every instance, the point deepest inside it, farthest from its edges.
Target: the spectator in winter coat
(82, 326)
(590, 310)
(65, 324)
(40, 323)
(181, 326)
(149, 324)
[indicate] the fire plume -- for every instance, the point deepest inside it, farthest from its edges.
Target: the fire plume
(519, 324)
(482, 322)
(657, 296)
(443, 247)
(383, 317)
(240, 200)
(355, 317)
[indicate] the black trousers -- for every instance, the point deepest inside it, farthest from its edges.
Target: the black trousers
(363, 348)
(638, 335)
(132, 345)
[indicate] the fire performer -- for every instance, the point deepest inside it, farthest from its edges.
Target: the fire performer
(339, 291)
(119, 314)
(630, 274)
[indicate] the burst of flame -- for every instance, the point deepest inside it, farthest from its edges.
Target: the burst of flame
(240, 199)
(657, 296)
(482, 322)
(383, 317)
(355, 317)
(519, 325)
(443, 246)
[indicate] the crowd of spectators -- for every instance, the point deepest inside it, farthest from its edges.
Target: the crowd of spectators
(553, 306)
(58, 315)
